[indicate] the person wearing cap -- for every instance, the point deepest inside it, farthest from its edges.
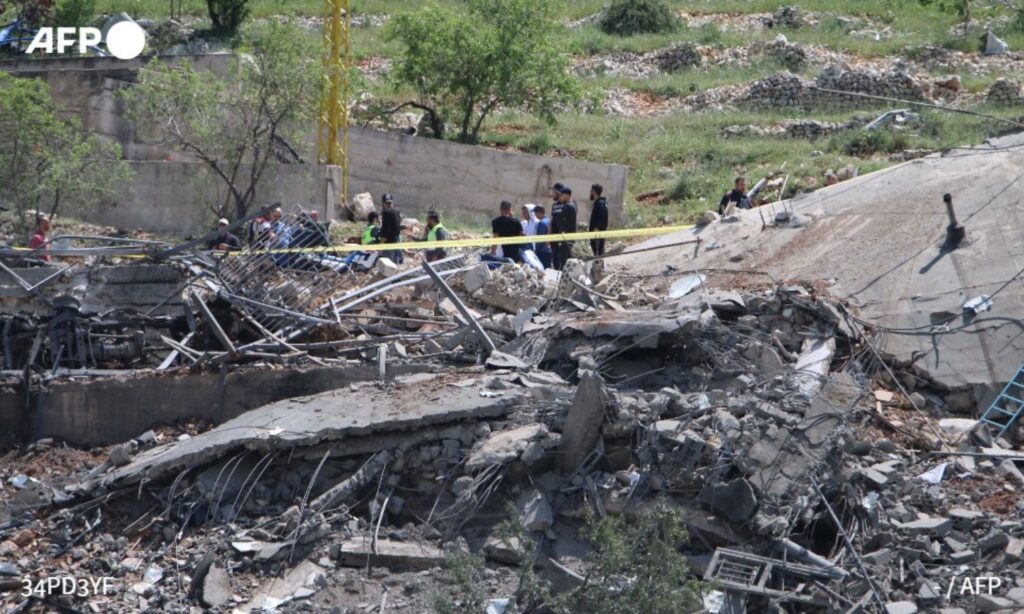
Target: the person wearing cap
(563, 220)
(223, 241)
(598, 217)
(390, 227)
(433, 233)
(38, 238)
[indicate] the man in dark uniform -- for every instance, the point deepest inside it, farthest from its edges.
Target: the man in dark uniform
(598, 217)
(563, 220)
(391, 228)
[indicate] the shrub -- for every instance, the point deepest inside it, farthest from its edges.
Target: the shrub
(227, 15)
(709, 34)
(75, 13)
(863, 143)
(636, 567)
(630, 17)
(682, 189)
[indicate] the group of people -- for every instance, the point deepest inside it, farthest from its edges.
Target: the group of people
(534, 222)
(270, 232)
(386, 228)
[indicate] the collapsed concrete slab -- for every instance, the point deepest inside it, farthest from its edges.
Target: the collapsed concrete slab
(343, 419)
(878, 241)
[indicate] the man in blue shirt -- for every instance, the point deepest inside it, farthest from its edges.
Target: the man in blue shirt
(542, 247)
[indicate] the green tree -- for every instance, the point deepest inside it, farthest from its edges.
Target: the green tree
(467, 59)
(49, 164)
(636, 567)
(237, 125)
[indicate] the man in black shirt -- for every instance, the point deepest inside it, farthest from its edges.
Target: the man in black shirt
(224, 241)
(390, 228)
(563, 219)
(598, 217)
(737, 197)
(506, 225)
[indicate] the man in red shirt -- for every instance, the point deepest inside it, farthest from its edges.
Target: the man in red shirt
(38, 238)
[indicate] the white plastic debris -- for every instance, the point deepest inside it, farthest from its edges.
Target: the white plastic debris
(956, 426)
(685, 285)
(934, 475)
(497, 606)
(714, 602)
(153, 575)
(979, 304)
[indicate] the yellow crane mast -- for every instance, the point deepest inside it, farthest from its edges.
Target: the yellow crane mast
(333, 142)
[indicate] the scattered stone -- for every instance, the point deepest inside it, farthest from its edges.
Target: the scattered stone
(216, 590)
(584, 420)
(361, 206)
(735, 500)
(535, 512)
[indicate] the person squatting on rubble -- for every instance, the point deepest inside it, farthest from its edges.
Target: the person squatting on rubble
(37, 240)
(223, 241)
(434, 232)
(598, 217)
(542, 248)
(563, 220)
(391, 228)
(505, 225)
(735, 198)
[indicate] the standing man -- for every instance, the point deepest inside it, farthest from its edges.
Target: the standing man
(224, 241)
(563, 220)
(598, 217)
(434, 232)
(737, 197)
(38, 238)
(543, 247)
(506, 225)
(529, 223)
(391, 228)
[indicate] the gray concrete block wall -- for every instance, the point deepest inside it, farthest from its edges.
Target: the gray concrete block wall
(173, 196)
(170, 188)
(422, 173)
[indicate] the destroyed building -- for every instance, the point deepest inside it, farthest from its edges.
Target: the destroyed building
(260, 431)
(359, 427)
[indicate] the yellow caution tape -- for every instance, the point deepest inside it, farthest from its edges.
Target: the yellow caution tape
(627, 233)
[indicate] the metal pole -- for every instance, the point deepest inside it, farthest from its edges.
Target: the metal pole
(480, 332)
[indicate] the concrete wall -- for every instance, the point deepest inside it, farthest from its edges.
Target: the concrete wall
(102, 412)
(422, 173)
(86, 87)
(174, 197)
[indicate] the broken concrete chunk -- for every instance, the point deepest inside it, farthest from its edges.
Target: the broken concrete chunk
(584, 420)
(900, 607)
(394, 555)
(504, 446)
(476, 278)
(535, 512)
(120, 456)
(735, 500)
(933, 527)
(216, 590)
(507, 551)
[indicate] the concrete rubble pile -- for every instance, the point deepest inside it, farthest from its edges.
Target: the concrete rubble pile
(808, 480)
